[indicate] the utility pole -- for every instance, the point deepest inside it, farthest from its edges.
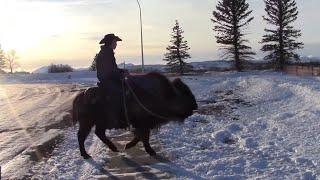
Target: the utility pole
(142, 55)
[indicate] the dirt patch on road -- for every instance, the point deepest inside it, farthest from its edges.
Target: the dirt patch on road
(223, 104)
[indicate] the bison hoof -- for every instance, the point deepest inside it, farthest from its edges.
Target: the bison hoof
(151, 152)
(86, 156)
(114, 149)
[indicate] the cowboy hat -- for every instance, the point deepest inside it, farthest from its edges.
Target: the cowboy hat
(108, 38)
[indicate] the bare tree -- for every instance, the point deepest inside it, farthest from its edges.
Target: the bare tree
(11, 58)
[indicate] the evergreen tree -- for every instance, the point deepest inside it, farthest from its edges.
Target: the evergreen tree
(281, 40)
(230, 18)
(93, 66)
(177, 52)
(2, 59)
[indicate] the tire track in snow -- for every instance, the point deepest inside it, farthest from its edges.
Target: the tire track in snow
(29, 108)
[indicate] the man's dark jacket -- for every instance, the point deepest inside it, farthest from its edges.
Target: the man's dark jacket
(107, 69)
(110, 77)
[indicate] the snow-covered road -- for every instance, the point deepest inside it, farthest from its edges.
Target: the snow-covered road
(251, 125)
(28, 111)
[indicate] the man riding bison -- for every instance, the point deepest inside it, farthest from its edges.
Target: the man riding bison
(121, 101)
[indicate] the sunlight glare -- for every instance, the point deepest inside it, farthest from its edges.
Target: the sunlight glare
(4, 97)
(27, 24)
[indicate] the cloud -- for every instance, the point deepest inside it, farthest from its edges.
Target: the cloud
(90, 36)
(56, 36)
(93, 38)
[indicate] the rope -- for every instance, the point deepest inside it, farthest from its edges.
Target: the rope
(140, 104)
(124, 82)
(125, 105)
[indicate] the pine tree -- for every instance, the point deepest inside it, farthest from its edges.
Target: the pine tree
(93, 66)
(178, 52)
(230, 18)
(281, 40)
(2, 59)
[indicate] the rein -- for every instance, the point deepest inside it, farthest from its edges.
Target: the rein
(125, 104)
(124, 82)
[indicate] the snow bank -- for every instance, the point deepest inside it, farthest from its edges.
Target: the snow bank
(268, 128)
(41, 70)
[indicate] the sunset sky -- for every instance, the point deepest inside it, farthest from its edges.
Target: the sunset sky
(68, 31)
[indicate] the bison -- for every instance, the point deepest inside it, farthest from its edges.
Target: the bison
(151, 100)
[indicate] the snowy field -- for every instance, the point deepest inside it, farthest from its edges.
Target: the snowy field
(252, 125)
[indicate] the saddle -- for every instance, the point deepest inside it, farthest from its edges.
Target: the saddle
(91, 96)
(104, 93)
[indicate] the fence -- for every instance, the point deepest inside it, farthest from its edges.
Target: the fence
(302, 70)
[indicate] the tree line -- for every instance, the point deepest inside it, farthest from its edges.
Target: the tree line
(230, 18)
(59, 68)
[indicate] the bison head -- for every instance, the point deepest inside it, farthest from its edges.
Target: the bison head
(185, 102)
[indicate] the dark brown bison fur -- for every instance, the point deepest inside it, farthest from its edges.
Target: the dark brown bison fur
(151, 101)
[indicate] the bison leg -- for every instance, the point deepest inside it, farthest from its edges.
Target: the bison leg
(82, 135)
(146, 144)
(132, 143)
(102, 136)
(144, 136)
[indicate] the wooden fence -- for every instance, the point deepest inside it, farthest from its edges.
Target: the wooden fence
(302, 70)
